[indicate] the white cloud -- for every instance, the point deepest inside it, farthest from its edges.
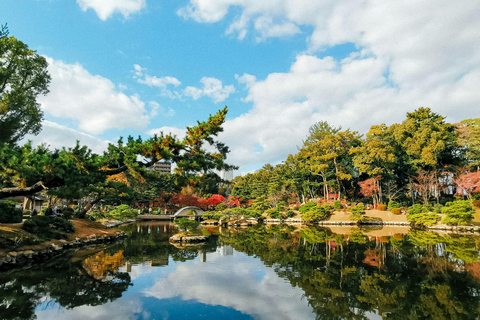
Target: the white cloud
(212, 88)
(266, 297)
(156, 109)
(247, 79)
(106, 8)
(92, 100)
(410, 54)
(153, 81)
(121, 309)
(57, 136)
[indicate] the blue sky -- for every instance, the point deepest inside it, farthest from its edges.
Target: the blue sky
(136, 67)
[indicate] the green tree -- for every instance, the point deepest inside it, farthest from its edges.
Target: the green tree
(23, 77)
(469, 137)
(427, 140)
(26, 170)
(328, 149)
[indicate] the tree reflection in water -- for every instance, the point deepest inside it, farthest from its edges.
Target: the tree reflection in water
(420, 276)
(68, 284)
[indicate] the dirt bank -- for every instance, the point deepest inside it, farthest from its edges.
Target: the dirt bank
(14, 238)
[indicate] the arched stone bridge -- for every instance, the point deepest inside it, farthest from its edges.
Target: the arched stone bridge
(183, 212)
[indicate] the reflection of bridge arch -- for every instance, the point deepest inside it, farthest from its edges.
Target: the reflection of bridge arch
(183, 212)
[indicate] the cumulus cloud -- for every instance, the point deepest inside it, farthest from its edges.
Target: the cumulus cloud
(410, 54)
(265, 297)
(106, 8)
(90, 99)
(57, 136)
(212, 88)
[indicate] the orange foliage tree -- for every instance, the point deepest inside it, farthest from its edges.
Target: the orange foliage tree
(470, 182)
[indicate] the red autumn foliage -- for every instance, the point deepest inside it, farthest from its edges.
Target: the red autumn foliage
(215, 200)
(234, 201)
(182, 200)
(369, 187)
(373, 258)
(469, 182)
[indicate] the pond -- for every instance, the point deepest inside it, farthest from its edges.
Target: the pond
(263, 272)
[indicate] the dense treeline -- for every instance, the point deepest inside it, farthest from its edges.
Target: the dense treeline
(423, 158)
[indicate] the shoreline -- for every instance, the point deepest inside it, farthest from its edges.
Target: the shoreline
(27, 249)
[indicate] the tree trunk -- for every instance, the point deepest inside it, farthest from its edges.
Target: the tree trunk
(83, 212)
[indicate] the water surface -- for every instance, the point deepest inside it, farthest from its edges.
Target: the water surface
(275, 272)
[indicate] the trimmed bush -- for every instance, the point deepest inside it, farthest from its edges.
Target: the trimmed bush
(417, 208)
(357, 210)
(392, 205)
(220, 207)
(396, 210)
(10, 214)
(121, 212)
(316, 213)
(68, 213)
(337, 205)
(382, 207)
(424, 218)
(186, 224)
(276, 215)
(306, 207)
(437, 208)
(459, 212)
(398, 236)
(48, 227)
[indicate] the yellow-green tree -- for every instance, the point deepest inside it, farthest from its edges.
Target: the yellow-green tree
(469, 137)
(328, 150)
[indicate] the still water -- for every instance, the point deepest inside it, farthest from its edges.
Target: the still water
(264, 272)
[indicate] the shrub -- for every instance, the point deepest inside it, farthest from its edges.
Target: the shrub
(276, 215)
(337, 205)
(10, 214)
(384, 239)
(281, 206)
(211, 215)
(396, 210)
(48, 227)
(306, 207)
(358, 210)
(290, 214)
(459, 212)
(68, 213)
(186, 224)
(220, 207)
(437, 208)
(251, 213)
(392, 205)
(424, 218)
(398, 236)
(316, 213)
(382, 207)
(417, 208)
(121, 212)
